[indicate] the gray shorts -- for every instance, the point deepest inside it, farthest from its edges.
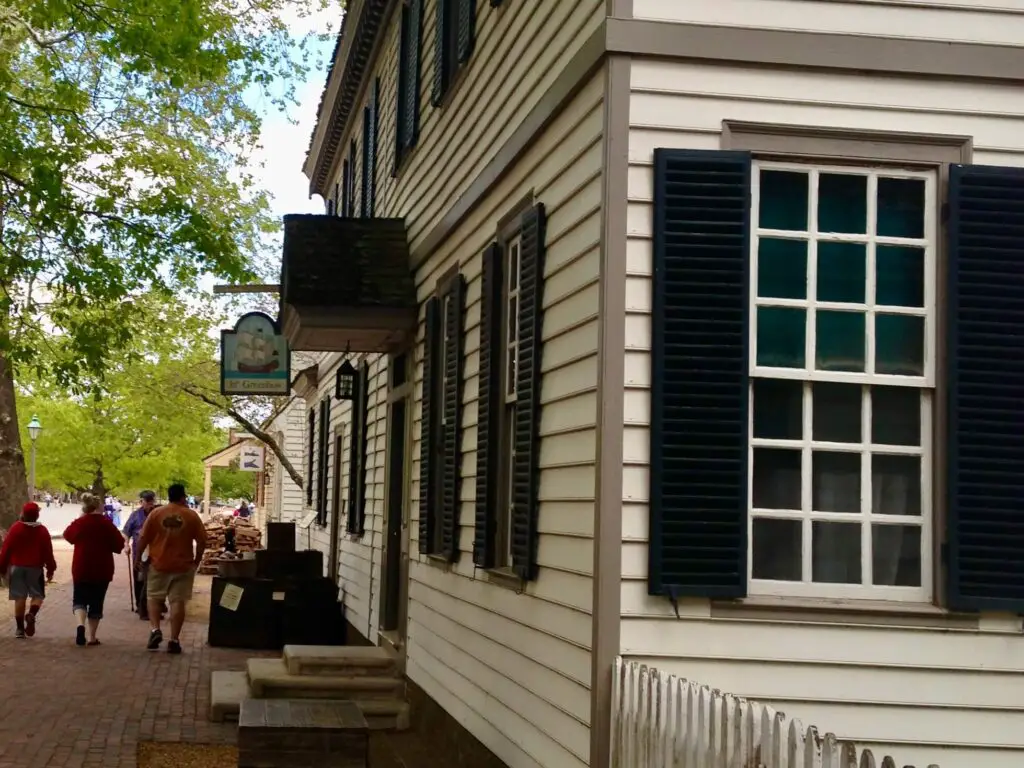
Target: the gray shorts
(26, 582)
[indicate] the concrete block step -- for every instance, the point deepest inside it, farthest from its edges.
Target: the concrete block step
(341, 660)
(270, 679)
(385, 714)
(227, 689)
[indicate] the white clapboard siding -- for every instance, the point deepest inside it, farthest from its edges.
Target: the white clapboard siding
(526, 656)
(663, 721)
(514, 668)
(929, 689)
(998, 22)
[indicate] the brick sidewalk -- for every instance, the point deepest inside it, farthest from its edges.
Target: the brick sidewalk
(72, 707)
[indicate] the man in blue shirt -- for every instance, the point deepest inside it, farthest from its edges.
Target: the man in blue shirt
(132, 529)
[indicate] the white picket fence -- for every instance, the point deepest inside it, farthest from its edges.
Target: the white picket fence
(662, 721)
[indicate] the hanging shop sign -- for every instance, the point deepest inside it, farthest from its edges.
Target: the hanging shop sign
(254, 358)
(250, 458)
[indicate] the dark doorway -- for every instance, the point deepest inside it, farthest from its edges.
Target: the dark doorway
(394, 594)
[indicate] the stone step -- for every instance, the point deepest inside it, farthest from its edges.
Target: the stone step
(385, 714)
(270, 679)
(341, 660)
(227, 689)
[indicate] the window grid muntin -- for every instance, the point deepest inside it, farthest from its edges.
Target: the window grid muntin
(512, 319)
(866, 518)
(870, 239)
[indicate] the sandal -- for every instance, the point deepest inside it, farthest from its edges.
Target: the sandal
(93, 642)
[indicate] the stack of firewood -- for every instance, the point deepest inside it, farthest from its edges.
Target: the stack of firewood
(247, 539)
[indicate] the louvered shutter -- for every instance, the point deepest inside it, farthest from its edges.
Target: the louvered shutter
(343, 209)
(467, 29)
(488, 452)
(364, 192)
(371, 151)
(699, 374)
(985, 533)
(352, 155)
(364, 443)
(426, 522)
(527, 448)
(325, 424)
(311, 455)
(451, 482)
(440, 52)
(355, 457)
(409, 80)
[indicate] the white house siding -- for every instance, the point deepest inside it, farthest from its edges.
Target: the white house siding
(285, 500)
(998, 22)
(515, 668)
(360, 556)
(943, 693)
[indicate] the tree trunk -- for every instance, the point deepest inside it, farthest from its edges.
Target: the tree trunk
(99, 487)
(13, 482)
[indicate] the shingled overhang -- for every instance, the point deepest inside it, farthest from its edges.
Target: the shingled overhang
(359, 30)
(346, 284)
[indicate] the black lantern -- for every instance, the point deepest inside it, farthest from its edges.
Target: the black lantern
(345, 382)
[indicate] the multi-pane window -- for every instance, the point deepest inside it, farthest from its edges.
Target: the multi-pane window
(510, 372)
(842, 364)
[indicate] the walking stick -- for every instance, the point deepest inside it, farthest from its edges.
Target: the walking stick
(131, 583)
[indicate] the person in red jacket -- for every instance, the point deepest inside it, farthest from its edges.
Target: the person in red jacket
(26, 552)
(96, 541)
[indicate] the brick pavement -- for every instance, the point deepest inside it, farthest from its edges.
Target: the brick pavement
(69, 707)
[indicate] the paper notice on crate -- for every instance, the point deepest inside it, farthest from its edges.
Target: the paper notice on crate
(231, 597)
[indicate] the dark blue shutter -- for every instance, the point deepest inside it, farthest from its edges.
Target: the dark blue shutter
(451, 482)
(371, 152)
(699, 374)
(352, 155)
(343, 207)
(441, 74)
(985, 533)
(311, 461)
(325, 425)
(355, 456)
(467, 29)
(364, 192)
(408, 113)
(426, 522)
(525, 469)
(488, 447)
(363, 404)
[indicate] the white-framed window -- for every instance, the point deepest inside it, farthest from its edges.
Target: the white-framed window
(842, 366)
(510, 374)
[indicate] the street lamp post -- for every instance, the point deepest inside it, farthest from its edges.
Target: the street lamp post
(34, 428)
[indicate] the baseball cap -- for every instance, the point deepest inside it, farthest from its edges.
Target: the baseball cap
(147, 496)
(30, 508)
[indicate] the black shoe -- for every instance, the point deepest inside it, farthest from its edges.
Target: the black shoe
(173, 646)
(20, 634)
(80, 636)
(155, 638)
(144, 617)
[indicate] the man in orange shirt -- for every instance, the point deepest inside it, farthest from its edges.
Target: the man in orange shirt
(169, 534)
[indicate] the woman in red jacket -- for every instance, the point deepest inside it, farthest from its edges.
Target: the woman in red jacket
(96, 540)
(26, 551)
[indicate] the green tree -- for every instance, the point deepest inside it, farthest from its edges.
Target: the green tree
(123, 131)
(233, 483)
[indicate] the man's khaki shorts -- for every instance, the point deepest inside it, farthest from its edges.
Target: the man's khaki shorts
(174, 587)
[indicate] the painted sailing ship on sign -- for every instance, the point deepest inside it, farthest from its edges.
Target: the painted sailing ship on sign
(254, 358)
